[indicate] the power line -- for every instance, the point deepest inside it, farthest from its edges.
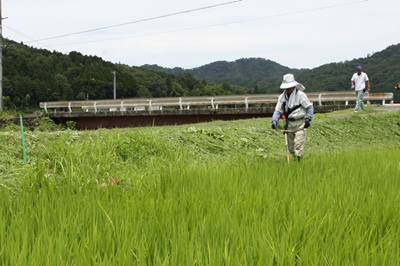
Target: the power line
(219, 24)
(137, 21)
(26, 36)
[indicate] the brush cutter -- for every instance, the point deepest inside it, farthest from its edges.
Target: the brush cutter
(287, 142)
(287, 148)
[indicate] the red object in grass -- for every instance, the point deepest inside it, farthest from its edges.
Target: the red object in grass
(111, 181)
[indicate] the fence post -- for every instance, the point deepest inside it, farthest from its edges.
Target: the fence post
(21, 121)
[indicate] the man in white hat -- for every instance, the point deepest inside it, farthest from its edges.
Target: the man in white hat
(294, 107)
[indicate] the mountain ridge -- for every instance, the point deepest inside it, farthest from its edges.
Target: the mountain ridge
(245, 72)
(265, 75)
(34, 75)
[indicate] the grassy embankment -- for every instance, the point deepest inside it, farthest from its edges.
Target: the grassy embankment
(208, 194)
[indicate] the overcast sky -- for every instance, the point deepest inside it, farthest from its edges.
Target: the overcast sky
(294, 33)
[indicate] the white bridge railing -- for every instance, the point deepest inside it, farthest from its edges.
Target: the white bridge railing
(210, 101)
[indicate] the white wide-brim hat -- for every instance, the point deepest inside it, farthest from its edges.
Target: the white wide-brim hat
(289, 82)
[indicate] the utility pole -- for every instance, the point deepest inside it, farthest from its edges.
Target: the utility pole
(115, 83)
(1, 60)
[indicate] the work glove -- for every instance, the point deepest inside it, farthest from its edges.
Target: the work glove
(273, 124)
(352, 87)
(307, 123)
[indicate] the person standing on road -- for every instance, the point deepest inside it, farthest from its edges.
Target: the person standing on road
(358, 81)
(297, 111)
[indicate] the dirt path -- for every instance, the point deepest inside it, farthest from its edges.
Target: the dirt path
(389, 107)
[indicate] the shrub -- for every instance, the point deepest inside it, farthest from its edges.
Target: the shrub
(71, 125)
(45, 124)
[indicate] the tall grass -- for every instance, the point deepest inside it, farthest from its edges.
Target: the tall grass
(334, 210)
(211, 194)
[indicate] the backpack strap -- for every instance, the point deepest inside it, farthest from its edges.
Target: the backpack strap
(289, 111)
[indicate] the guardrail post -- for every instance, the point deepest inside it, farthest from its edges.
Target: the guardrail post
(346, 103)
(246, 102)
(95, 107)
(319, 99)
(45, 107)
(180, 103)
(122, 106)
(212, 103)
(383, 102)
(69, 107)
(150, 106)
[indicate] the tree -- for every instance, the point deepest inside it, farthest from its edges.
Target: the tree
(81, 96)
(62, 87)
(143, 92)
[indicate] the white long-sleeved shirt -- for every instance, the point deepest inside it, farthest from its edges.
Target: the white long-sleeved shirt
(296, 98)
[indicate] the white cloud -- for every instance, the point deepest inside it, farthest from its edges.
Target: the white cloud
(298, 34)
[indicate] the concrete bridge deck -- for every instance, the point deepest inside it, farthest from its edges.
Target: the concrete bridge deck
(168, 117)
(184, 110)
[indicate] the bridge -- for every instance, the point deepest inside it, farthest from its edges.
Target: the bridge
(182, 110)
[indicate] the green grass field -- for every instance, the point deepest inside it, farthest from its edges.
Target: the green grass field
(219, 193)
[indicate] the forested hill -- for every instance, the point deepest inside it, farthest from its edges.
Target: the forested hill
(33, 75)
(382, 67)
(245, 72)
